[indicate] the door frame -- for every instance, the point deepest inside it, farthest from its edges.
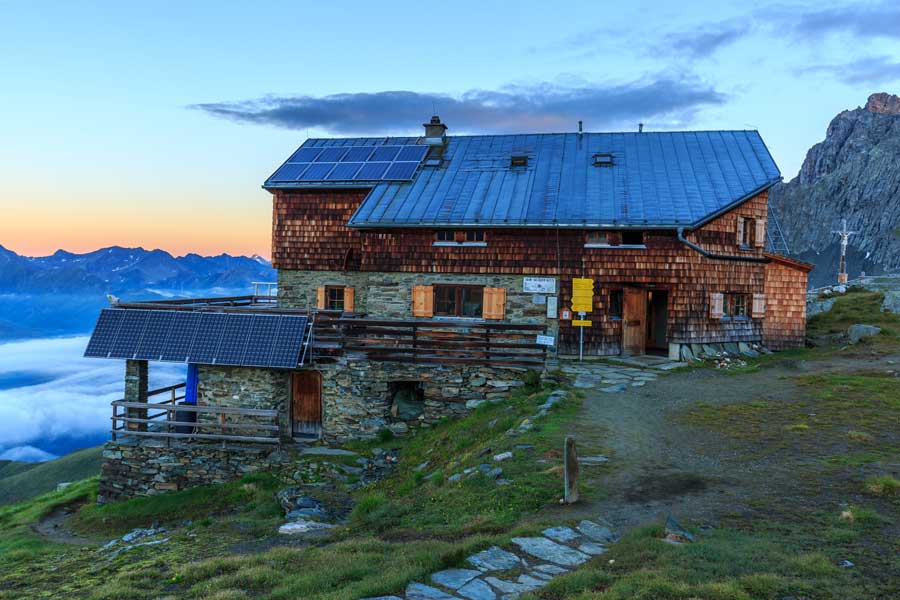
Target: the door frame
(664, 344)
(316, 429)
(641, 321)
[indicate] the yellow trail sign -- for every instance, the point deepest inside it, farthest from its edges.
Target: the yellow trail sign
(582, 295)
(580, 323)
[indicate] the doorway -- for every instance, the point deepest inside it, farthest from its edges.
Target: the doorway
(306, 404)
(657, 311)
(634, 320)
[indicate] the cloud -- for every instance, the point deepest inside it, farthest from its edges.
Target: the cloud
(869, 70)
(860, 20)
(703, 42)
(59, 394)
(27, 454)
(514, 108)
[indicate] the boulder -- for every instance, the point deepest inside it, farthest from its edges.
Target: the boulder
(891, 302)
(675, 533)
(859, 331)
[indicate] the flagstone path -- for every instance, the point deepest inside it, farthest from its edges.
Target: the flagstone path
(504, 574)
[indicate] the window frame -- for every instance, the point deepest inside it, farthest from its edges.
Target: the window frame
(458, 301)
(339, 290)
(641, 244)
(616, 293)
(610, 243)
(748, 233)
(730, 305)
(458, 237)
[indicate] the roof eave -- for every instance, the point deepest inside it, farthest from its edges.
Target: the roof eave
(735, 204)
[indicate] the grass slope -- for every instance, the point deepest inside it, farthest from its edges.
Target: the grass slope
(8, 468)
(18, 484)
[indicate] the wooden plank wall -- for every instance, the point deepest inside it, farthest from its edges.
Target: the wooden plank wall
(309, 233)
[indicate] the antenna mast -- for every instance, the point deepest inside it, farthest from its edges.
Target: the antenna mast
(845, 235)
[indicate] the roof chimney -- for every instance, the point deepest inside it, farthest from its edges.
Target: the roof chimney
(435, 132)
(640, 128)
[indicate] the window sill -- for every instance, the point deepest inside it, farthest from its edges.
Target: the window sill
(459, 244)
(735, 319)
(626, 246)
(449, 318)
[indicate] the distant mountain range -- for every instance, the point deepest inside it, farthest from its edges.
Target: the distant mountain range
(853, 174)
(61, 293)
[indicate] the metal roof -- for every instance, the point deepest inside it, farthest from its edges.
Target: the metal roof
(657, 179)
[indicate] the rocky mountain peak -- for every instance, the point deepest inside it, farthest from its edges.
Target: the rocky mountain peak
(883, 103)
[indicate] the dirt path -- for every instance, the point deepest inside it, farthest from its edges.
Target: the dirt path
(52, 528)
(658, 465)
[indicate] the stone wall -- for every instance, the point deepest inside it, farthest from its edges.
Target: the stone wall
(130, 470)
(246, 387)
(356, 400)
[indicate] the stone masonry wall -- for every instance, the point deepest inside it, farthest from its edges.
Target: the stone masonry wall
(147, 469)
(246, 387)
(356, 401)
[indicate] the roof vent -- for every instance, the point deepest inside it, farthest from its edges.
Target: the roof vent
(603, 159)
(518, 160)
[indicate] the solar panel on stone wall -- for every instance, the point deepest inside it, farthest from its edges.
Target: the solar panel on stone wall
(205, 338)
(370, 163)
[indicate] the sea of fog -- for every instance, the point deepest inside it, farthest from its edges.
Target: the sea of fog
(54, 401)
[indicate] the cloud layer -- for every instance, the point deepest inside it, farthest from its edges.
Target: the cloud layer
(868, 70)
(540, 107)
(71, 396)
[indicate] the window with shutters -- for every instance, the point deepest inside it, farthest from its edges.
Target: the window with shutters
(334, 297)
(735, 306)
(458, 300)
(746, 232)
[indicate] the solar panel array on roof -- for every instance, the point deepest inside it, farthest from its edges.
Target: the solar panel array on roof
(336, 164)
(237, 339)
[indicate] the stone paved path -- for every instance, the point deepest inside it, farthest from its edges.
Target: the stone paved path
(619, 374)
(506, 573)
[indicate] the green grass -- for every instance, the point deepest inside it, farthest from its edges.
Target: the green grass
(9, 468)
(426, 504)
(43, 477)
(857, 306)
(882, 485)
(724, 564)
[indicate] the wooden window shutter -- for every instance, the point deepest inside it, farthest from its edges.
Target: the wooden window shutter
(348, 299)
(423, 301)
(716, 306)
(760, 239)
(740, 231)
(494, 303)
(759, 306)
(320, 297)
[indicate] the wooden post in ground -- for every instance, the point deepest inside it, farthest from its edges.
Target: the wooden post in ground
(570, 471)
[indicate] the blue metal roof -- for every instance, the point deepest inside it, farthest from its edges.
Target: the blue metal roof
(657, 179)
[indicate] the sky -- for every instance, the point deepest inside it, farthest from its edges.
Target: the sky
(154, 124)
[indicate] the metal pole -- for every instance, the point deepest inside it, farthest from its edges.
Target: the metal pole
(581, 344)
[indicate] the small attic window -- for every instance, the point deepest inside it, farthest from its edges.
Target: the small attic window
(518, 160)
(603, 159)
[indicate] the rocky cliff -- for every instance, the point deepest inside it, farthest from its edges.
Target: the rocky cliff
(853, 174)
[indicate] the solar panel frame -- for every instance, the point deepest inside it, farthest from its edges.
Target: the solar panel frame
(331, 154)
(400, 171)
(385, 154)
(234, 339)
(288, 342)
(411, 153)
(358, 154)
(372, 171)
(317, 171)
(128, 337)
(181, 336)
(290, 171)
(104, 333)
(206, 341)
(156, 333)
(345, 171)
(303, 155)
(260, 341)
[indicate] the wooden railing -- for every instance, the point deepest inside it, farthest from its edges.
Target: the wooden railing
(434, 341)
(213, 423)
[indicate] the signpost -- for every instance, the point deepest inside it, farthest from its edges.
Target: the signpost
(582, 303)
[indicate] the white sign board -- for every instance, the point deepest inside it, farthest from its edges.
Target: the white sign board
(540, 285)
(552, 309)
(545, 340)
(538, 299)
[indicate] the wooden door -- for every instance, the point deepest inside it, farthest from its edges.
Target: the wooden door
(306, 403)
(634, 320)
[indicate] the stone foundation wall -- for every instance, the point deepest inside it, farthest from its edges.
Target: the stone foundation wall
(356, 402)
(148, 469)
